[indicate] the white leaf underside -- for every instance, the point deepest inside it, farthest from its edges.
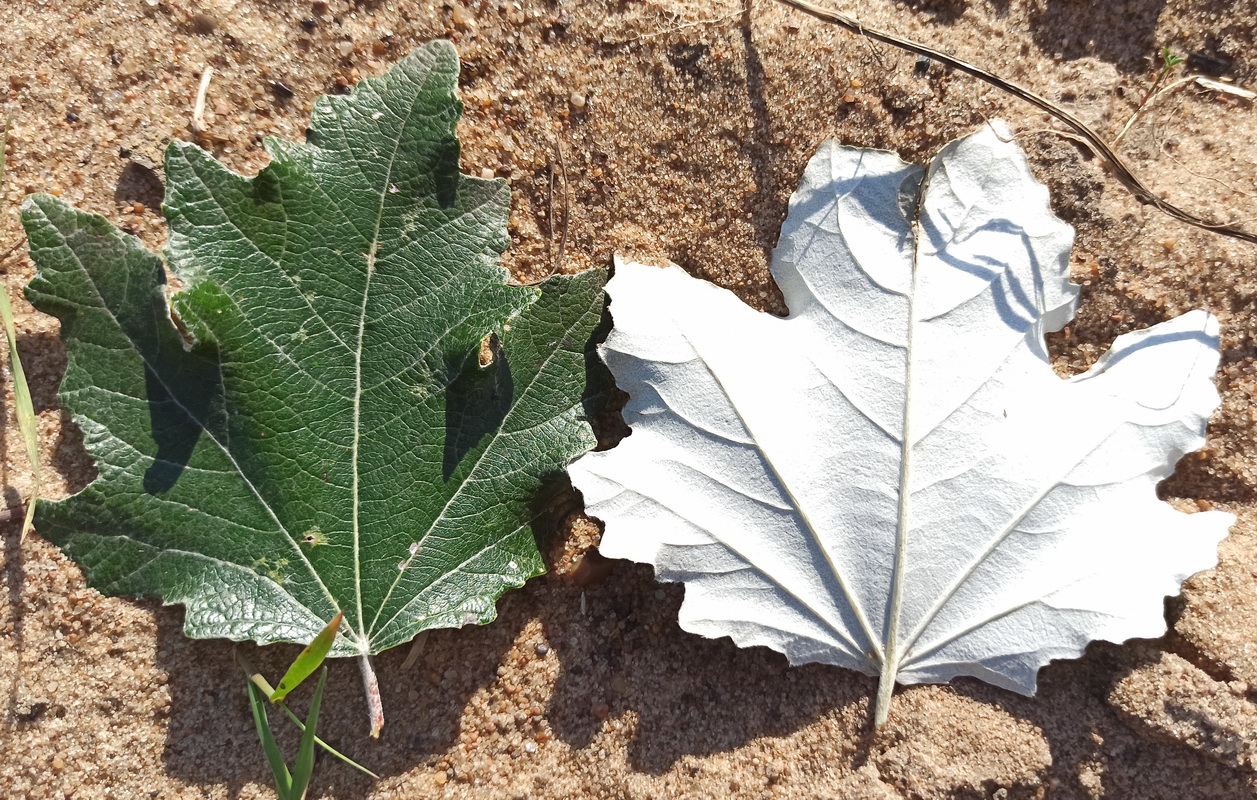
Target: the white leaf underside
(769, 456)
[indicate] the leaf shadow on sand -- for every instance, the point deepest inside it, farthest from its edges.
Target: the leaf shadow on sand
(626, 658)
(689, 696)
(1091, 742)
(211, 740)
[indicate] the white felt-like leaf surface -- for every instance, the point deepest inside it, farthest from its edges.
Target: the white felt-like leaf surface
(892, 478)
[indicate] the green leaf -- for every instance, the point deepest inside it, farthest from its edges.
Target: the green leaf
(317, 434)
(308, 660)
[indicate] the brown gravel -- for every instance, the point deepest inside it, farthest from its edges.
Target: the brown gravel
(685, 126)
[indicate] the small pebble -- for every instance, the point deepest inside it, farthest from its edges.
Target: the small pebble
(530, 747)
(486, 173)
(309, 23)
(577, 100)
(204, 24)
(345, 48)
(319, 6)
(542, 650)
(461, 15)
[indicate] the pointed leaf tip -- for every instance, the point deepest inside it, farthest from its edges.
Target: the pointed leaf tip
(308, 660)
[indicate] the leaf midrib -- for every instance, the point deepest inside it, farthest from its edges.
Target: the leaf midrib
(852, 599)
(364, 642)
(454, 495)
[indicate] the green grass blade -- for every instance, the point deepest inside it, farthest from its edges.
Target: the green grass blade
(257, 680)
(308, 660)
(303, 768)
(297, 721)
(283, 779)
(23, 407)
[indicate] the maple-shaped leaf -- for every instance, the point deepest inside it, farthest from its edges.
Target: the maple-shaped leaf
(320, 434)
(892, 479)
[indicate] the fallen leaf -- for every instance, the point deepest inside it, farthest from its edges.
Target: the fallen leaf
(318, 435)
(892, 479)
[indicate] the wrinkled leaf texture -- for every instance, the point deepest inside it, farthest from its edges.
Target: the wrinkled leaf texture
(892, 479)
(322, 435)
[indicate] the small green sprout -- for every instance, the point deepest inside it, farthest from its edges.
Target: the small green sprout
(292, 785)
(1168, 62)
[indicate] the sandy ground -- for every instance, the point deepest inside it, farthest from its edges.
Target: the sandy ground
(684, 127)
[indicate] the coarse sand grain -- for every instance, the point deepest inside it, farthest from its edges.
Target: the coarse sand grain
(684, 127)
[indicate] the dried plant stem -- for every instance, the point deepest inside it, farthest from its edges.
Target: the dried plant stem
(1097, 145)
(644, 36)
(567, 210)
(23, 406)
(1152, 98)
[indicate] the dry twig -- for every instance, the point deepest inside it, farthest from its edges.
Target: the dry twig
(5, 255)
(644, 36)
(417, 647)
(556, 260)
(198, 110)
(1118, 166)
(567, 209)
